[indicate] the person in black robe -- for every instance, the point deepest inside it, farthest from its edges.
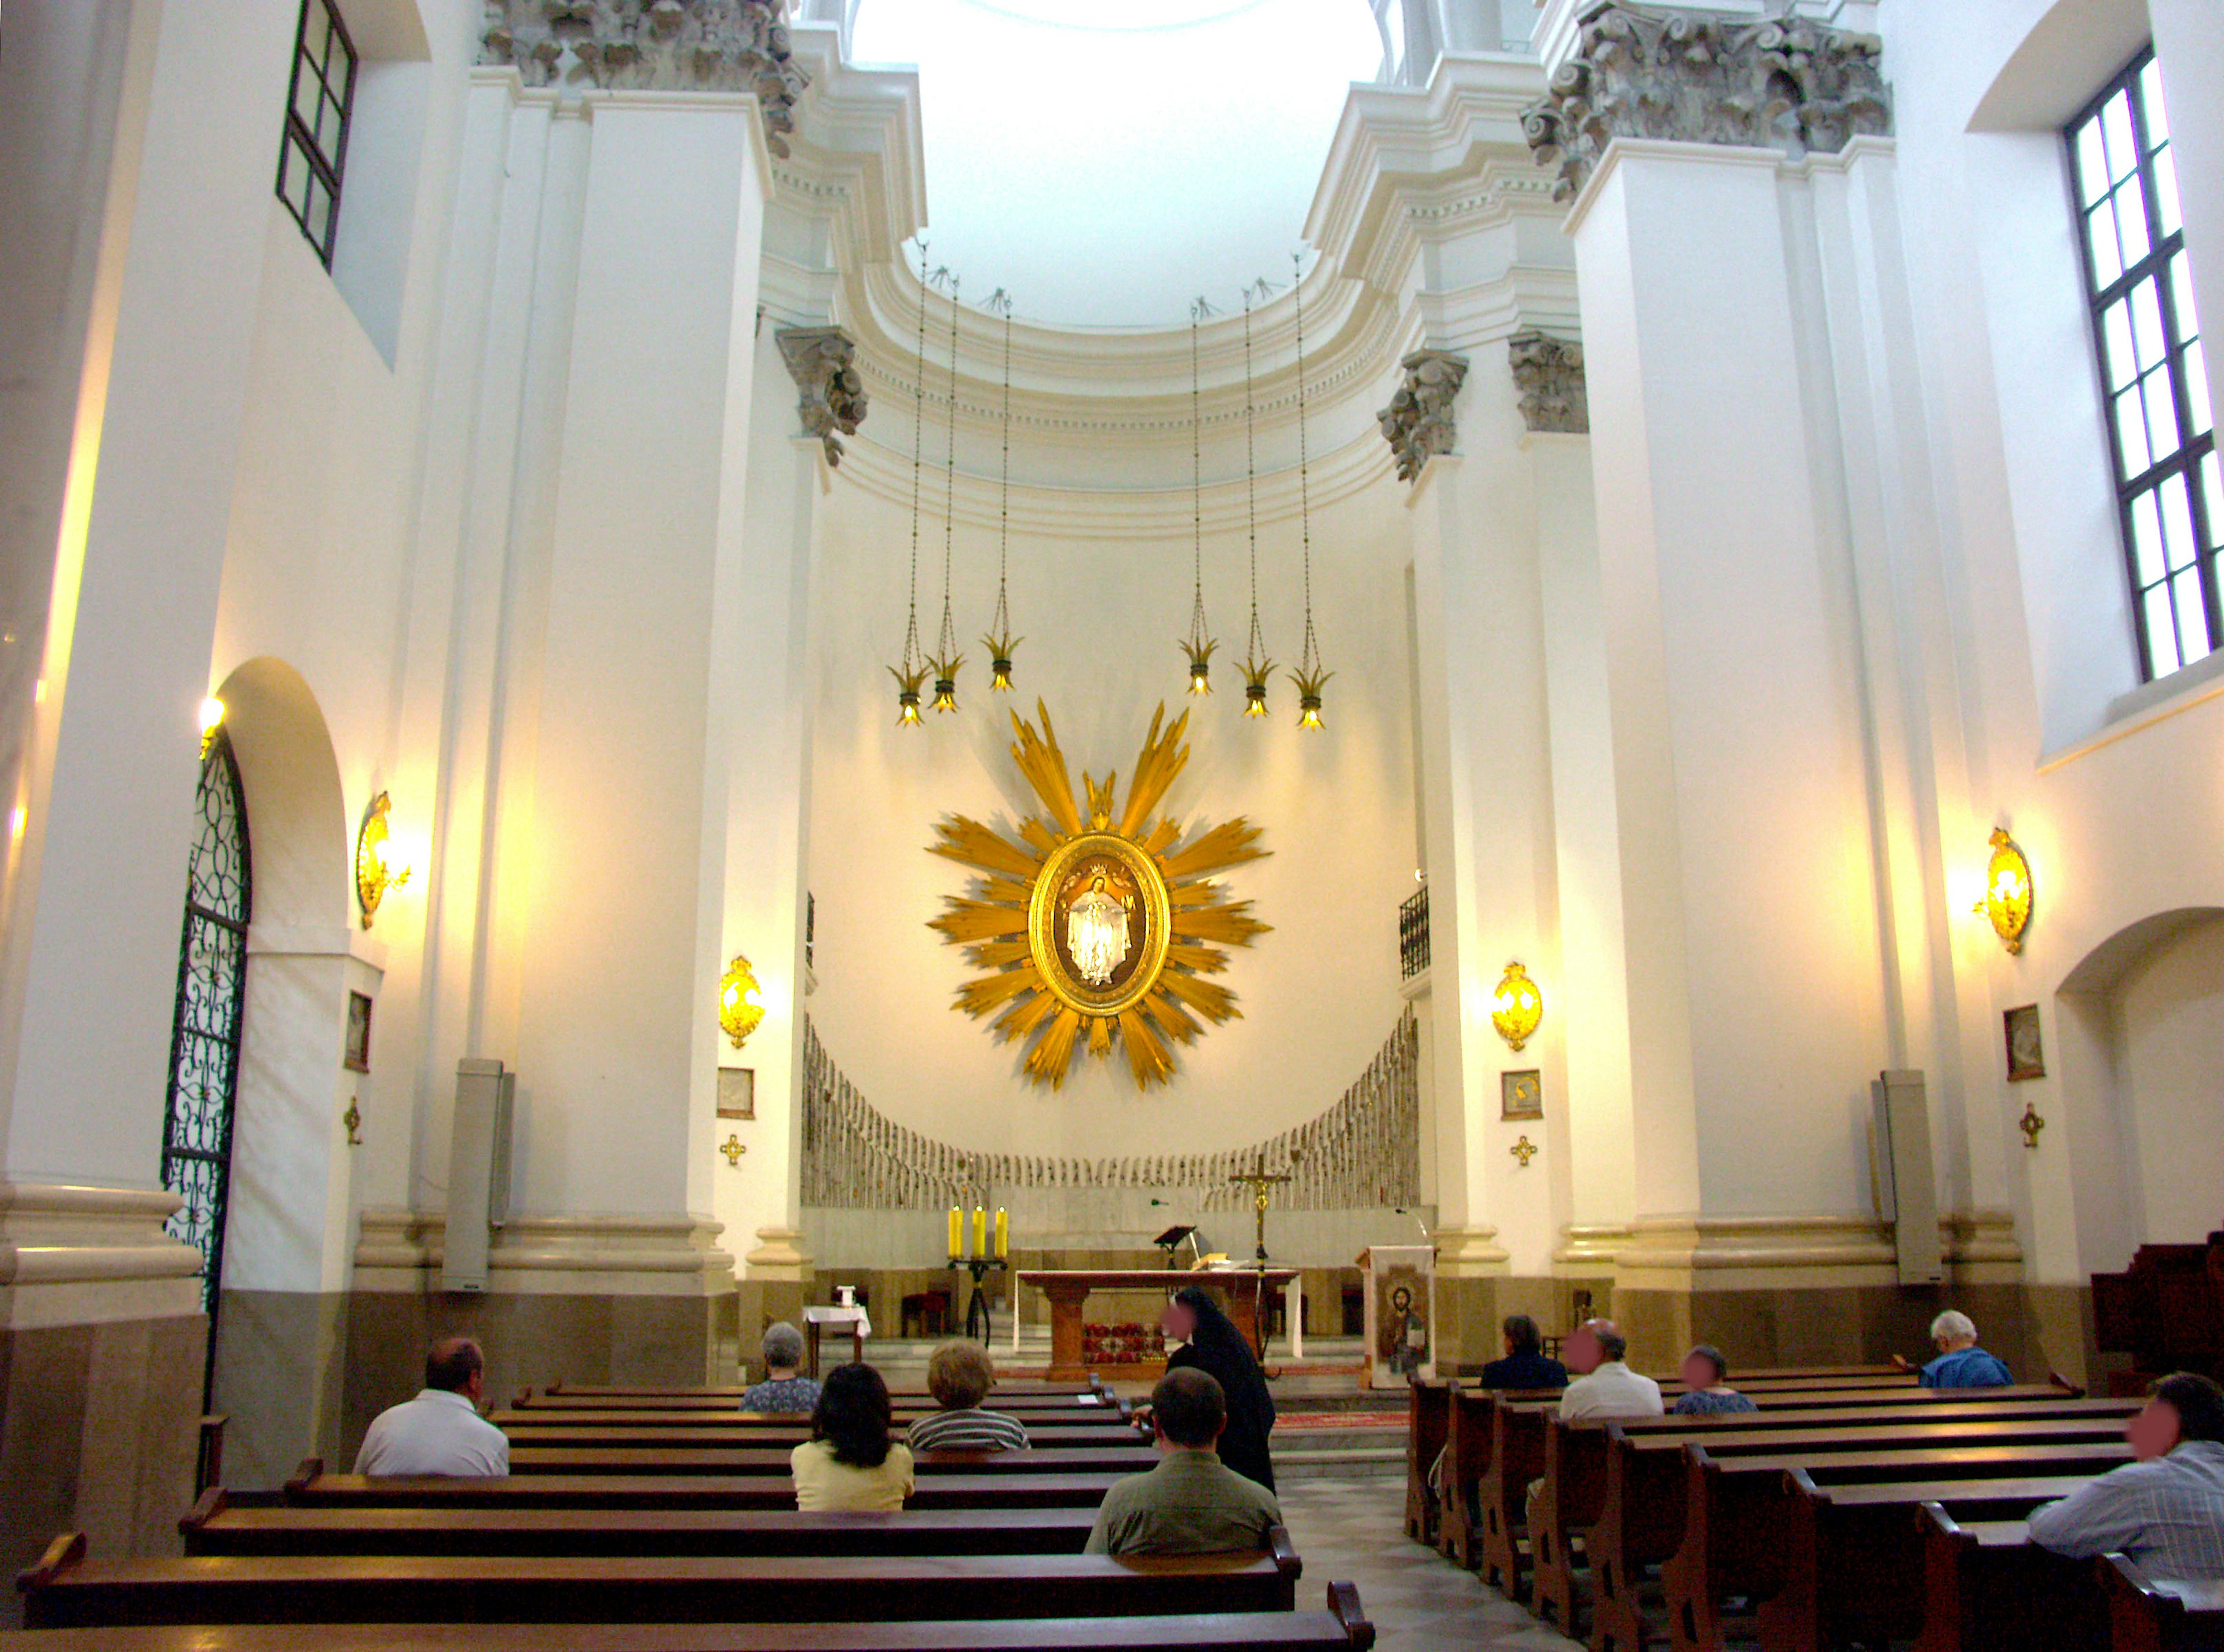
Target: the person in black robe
(1212, 1344)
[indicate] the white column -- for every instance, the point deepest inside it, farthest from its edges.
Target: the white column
(622, 901)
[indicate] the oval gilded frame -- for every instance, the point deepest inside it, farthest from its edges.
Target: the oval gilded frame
(1158, 923)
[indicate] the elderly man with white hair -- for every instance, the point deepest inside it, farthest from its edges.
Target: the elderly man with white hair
(1960, 1363)
(1604, 1386)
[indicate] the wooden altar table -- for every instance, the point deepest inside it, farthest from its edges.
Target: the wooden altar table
(1245, 1289)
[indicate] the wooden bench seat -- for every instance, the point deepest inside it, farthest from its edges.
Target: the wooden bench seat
(782, 1437)
(1131, 1458)
(1738, 1511)
(1986, 1585)
(1344, 1625)
(215, 1527)
(66, 1590)
(550, 1407)
(1007, 1388)
(2157, 1615)
(311, 1487)
(546, 1416)
(1428, 1412)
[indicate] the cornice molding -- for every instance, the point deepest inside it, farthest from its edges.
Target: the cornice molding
(1786, 83)
(616, 1256)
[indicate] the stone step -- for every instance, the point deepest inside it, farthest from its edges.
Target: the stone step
(1385, 1463)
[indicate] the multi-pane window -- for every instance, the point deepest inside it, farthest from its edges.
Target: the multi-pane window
(315, 151)
(2168, 486)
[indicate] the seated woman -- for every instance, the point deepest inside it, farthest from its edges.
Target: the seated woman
(959, 1377)
(782, 1390)
(1706, 1385)
(849, 1463)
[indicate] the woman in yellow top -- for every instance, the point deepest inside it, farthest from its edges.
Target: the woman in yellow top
(850, 1462)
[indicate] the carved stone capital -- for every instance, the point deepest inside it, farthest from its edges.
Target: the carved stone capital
(651, 45)
(1777, 83)
(822, 361)
(1549, 373)
(1418, 423)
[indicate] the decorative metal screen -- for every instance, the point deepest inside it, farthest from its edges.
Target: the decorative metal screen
(1413, 933)
(205, 1034)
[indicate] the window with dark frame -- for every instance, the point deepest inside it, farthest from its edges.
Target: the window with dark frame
(312, 156)
(2169, 489)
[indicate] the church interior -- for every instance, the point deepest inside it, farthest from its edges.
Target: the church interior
(903, 665)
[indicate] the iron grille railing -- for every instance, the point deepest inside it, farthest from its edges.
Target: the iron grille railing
(1413, 933)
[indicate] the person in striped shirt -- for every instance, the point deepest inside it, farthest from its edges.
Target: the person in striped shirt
(959, 1377)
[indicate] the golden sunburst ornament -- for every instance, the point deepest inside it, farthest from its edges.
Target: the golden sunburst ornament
(1093, 927)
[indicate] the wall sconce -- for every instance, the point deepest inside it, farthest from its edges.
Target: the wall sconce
(739, 1011)
(1519, 1006)
(2008, 891)
(211, 720)
(375, 872)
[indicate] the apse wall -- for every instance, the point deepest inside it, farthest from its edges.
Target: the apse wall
(1100, 613)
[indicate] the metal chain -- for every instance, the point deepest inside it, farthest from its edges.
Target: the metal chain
(1000, 298)
(1309, 656)
(1197, 312)
(1250, 477)
(917, 432)
(948, 636)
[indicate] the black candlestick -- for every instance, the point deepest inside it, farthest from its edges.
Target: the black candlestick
(978, 1306)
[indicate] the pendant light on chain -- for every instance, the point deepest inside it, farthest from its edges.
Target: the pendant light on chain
(1309, 676)
(912, 671)
(945, 661)
(1200, 643)
(1257, 668)
(1000, 642)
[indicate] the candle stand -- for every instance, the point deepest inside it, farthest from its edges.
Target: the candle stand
(977, 1309)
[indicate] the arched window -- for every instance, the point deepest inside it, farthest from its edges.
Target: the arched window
(204, 1033)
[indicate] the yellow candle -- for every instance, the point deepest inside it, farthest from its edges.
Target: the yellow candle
(957, 1228)
(980, 1230)
(1003, 1233)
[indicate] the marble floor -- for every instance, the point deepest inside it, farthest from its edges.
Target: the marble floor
(1352, 1530)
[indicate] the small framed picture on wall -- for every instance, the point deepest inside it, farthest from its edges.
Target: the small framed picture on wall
(737, 1092)
(2027, 1050)
(1521, 1094)
(355, 1058)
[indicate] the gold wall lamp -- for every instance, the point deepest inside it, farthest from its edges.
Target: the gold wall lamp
(211, 720)
(739, 1008)
(375, 871)
(1518, 1006)
(2008, 891)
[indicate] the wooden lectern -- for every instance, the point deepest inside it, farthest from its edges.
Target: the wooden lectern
(1401, 1313)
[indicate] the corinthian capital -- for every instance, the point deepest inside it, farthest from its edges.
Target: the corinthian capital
(1779, 83)
(653, 46)
(822, 361)
(1549, 373)
(1418, 420)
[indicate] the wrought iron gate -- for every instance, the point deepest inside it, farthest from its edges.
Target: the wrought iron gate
(205, 1034)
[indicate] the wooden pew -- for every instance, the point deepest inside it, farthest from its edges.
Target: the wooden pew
(1343, 1626)
(1428, 1412)
(1988, 1588)
(1738, 1507)
(66, 1590)
(1640, 1518)
(311, 1487)
(743, 1460)
(782, 1437)
(553, 1407)
(1516, 1456)
(213, 1527)
(549, 1416)
(2156, 1615)
(1007, 1387)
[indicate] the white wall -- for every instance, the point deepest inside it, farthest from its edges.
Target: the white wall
(1318, 996)
(2170, 1026)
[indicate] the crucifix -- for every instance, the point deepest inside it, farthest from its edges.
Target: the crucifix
(1261, 1184)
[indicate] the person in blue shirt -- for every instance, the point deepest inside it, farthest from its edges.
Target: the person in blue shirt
(1524, 1365)
(1960, 1363)
(1707, 1390)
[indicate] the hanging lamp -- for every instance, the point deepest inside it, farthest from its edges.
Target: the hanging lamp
(911, 672)
(1000, 642)
(1200, 643)
(1309, 676)
(945, 662)
(1257, 668)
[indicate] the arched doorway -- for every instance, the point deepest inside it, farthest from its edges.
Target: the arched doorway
(205, 1028)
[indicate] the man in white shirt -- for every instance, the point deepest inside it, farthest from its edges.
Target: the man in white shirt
(2165, 1512)
(439, 1432)
(1606, 1386)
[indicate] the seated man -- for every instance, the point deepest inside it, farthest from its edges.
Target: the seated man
(439, 1432)
(1707, 1392)
(2166, 1511)
(783, 1391)
(959, 1377)
(1524, 1365)
(1190, 1503)
(1605, 1386)
(1960, 1363)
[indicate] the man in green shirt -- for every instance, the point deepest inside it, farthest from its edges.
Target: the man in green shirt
(1190, 1503)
